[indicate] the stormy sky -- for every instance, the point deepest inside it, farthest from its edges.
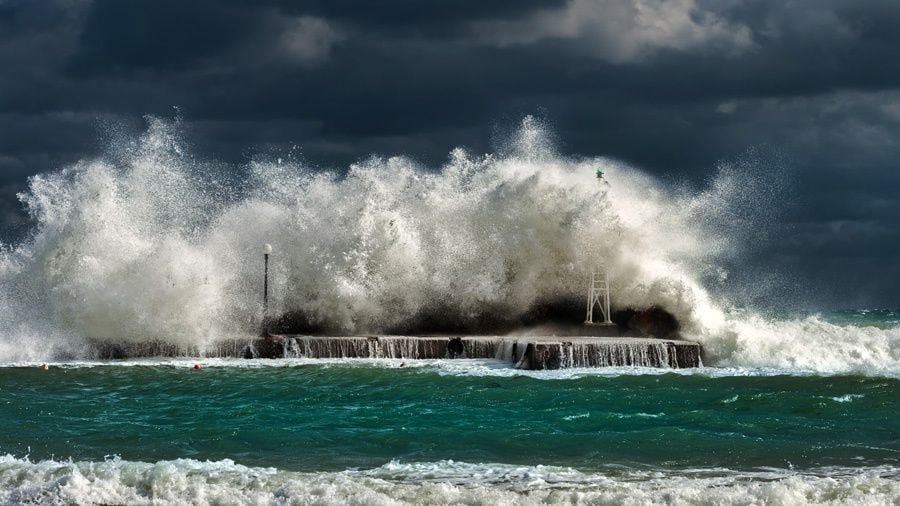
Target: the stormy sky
(807, 90)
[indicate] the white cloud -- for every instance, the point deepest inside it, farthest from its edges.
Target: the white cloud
(308, 39)
(726, 107)
(621, 31)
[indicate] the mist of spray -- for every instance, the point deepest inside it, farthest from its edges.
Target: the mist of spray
(147, 243)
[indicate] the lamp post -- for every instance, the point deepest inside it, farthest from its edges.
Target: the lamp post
(267, 250)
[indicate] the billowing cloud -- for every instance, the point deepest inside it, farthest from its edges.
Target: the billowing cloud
(624, 31)
(308, 39)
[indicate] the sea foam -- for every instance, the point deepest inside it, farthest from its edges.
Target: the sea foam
(115, 481)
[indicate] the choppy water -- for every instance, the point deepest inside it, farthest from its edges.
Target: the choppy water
(443, 431)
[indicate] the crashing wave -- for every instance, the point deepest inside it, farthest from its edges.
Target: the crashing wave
(147, 243)
(115, 481)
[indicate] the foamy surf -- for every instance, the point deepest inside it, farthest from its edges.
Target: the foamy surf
(488, 368)
(811, 343)
(115, 481)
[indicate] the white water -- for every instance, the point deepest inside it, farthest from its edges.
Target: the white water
(224, 482)
(148, 243)
(444, 367)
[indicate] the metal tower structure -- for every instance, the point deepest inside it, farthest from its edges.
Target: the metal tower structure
(598, 296)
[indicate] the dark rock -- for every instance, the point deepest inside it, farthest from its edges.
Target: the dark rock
(439, 318)
(651, 322)
(561, 316)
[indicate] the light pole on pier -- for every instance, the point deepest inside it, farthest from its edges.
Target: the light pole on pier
(267, 250)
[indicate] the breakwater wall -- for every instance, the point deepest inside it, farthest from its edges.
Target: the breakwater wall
(526, 352)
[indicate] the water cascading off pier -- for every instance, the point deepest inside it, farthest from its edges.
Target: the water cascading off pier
(533, 352)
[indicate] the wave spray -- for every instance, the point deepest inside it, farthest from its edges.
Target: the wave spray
(148, 243)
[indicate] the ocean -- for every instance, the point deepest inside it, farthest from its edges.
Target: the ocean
(357, 431)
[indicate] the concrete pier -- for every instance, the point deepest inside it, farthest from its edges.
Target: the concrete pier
(524, 352)
(527, 352)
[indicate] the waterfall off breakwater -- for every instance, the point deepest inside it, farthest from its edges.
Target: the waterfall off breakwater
(533, 352)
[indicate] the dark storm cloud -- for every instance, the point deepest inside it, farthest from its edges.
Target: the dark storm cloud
(674, 86)
(438, 19)
(156, 34)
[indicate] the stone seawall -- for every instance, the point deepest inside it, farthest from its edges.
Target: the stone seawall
(532, 352)
(524, 352)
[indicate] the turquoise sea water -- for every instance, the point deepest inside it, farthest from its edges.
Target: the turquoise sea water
(348, 431)
(331, 417)
(878, 318)
(442, 431)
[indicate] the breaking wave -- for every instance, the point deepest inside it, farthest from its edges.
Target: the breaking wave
(149, 243)
(182, 481)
